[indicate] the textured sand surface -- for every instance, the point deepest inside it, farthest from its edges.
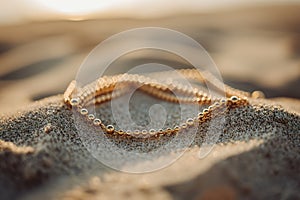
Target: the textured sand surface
(257, 155)
(42, 156)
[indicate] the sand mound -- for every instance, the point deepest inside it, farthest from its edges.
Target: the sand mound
(43, 155)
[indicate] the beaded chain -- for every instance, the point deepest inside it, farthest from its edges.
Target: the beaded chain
(110, 87)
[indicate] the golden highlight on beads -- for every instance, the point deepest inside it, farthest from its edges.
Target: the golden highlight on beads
(104, 89)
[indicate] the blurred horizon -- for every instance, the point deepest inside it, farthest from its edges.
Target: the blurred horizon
(256, 46)
(18, 11)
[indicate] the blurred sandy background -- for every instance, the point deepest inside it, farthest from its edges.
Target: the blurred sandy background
(255, 44)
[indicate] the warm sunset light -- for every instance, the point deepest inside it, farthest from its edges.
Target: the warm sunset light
(17, 11)
(149, 99)
(76, 7)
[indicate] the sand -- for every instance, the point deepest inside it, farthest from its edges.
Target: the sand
(256, 157)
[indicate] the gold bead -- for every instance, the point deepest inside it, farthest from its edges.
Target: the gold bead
(152, 132)
(234, 99)
(169, 130)
(183, 125)
(74, 102)
(144, 132)
(203, 99)
(91, 116)
(110, 129)
(160, 131)
(129, 132)
(217, 104)
(200, 115)
(176, 128)
(84, 111)
(205, 111)
(257, 94)
(97, 122)
(136, 132)
(190, 121)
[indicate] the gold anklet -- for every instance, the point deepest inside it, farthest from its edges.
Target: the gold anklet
(104, 89)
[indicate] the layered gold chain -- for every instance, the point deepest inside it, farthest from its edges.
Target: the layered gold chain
(109, 87)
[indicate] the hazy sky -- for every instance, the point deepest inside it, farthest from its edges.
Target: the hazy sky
(14, 11)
